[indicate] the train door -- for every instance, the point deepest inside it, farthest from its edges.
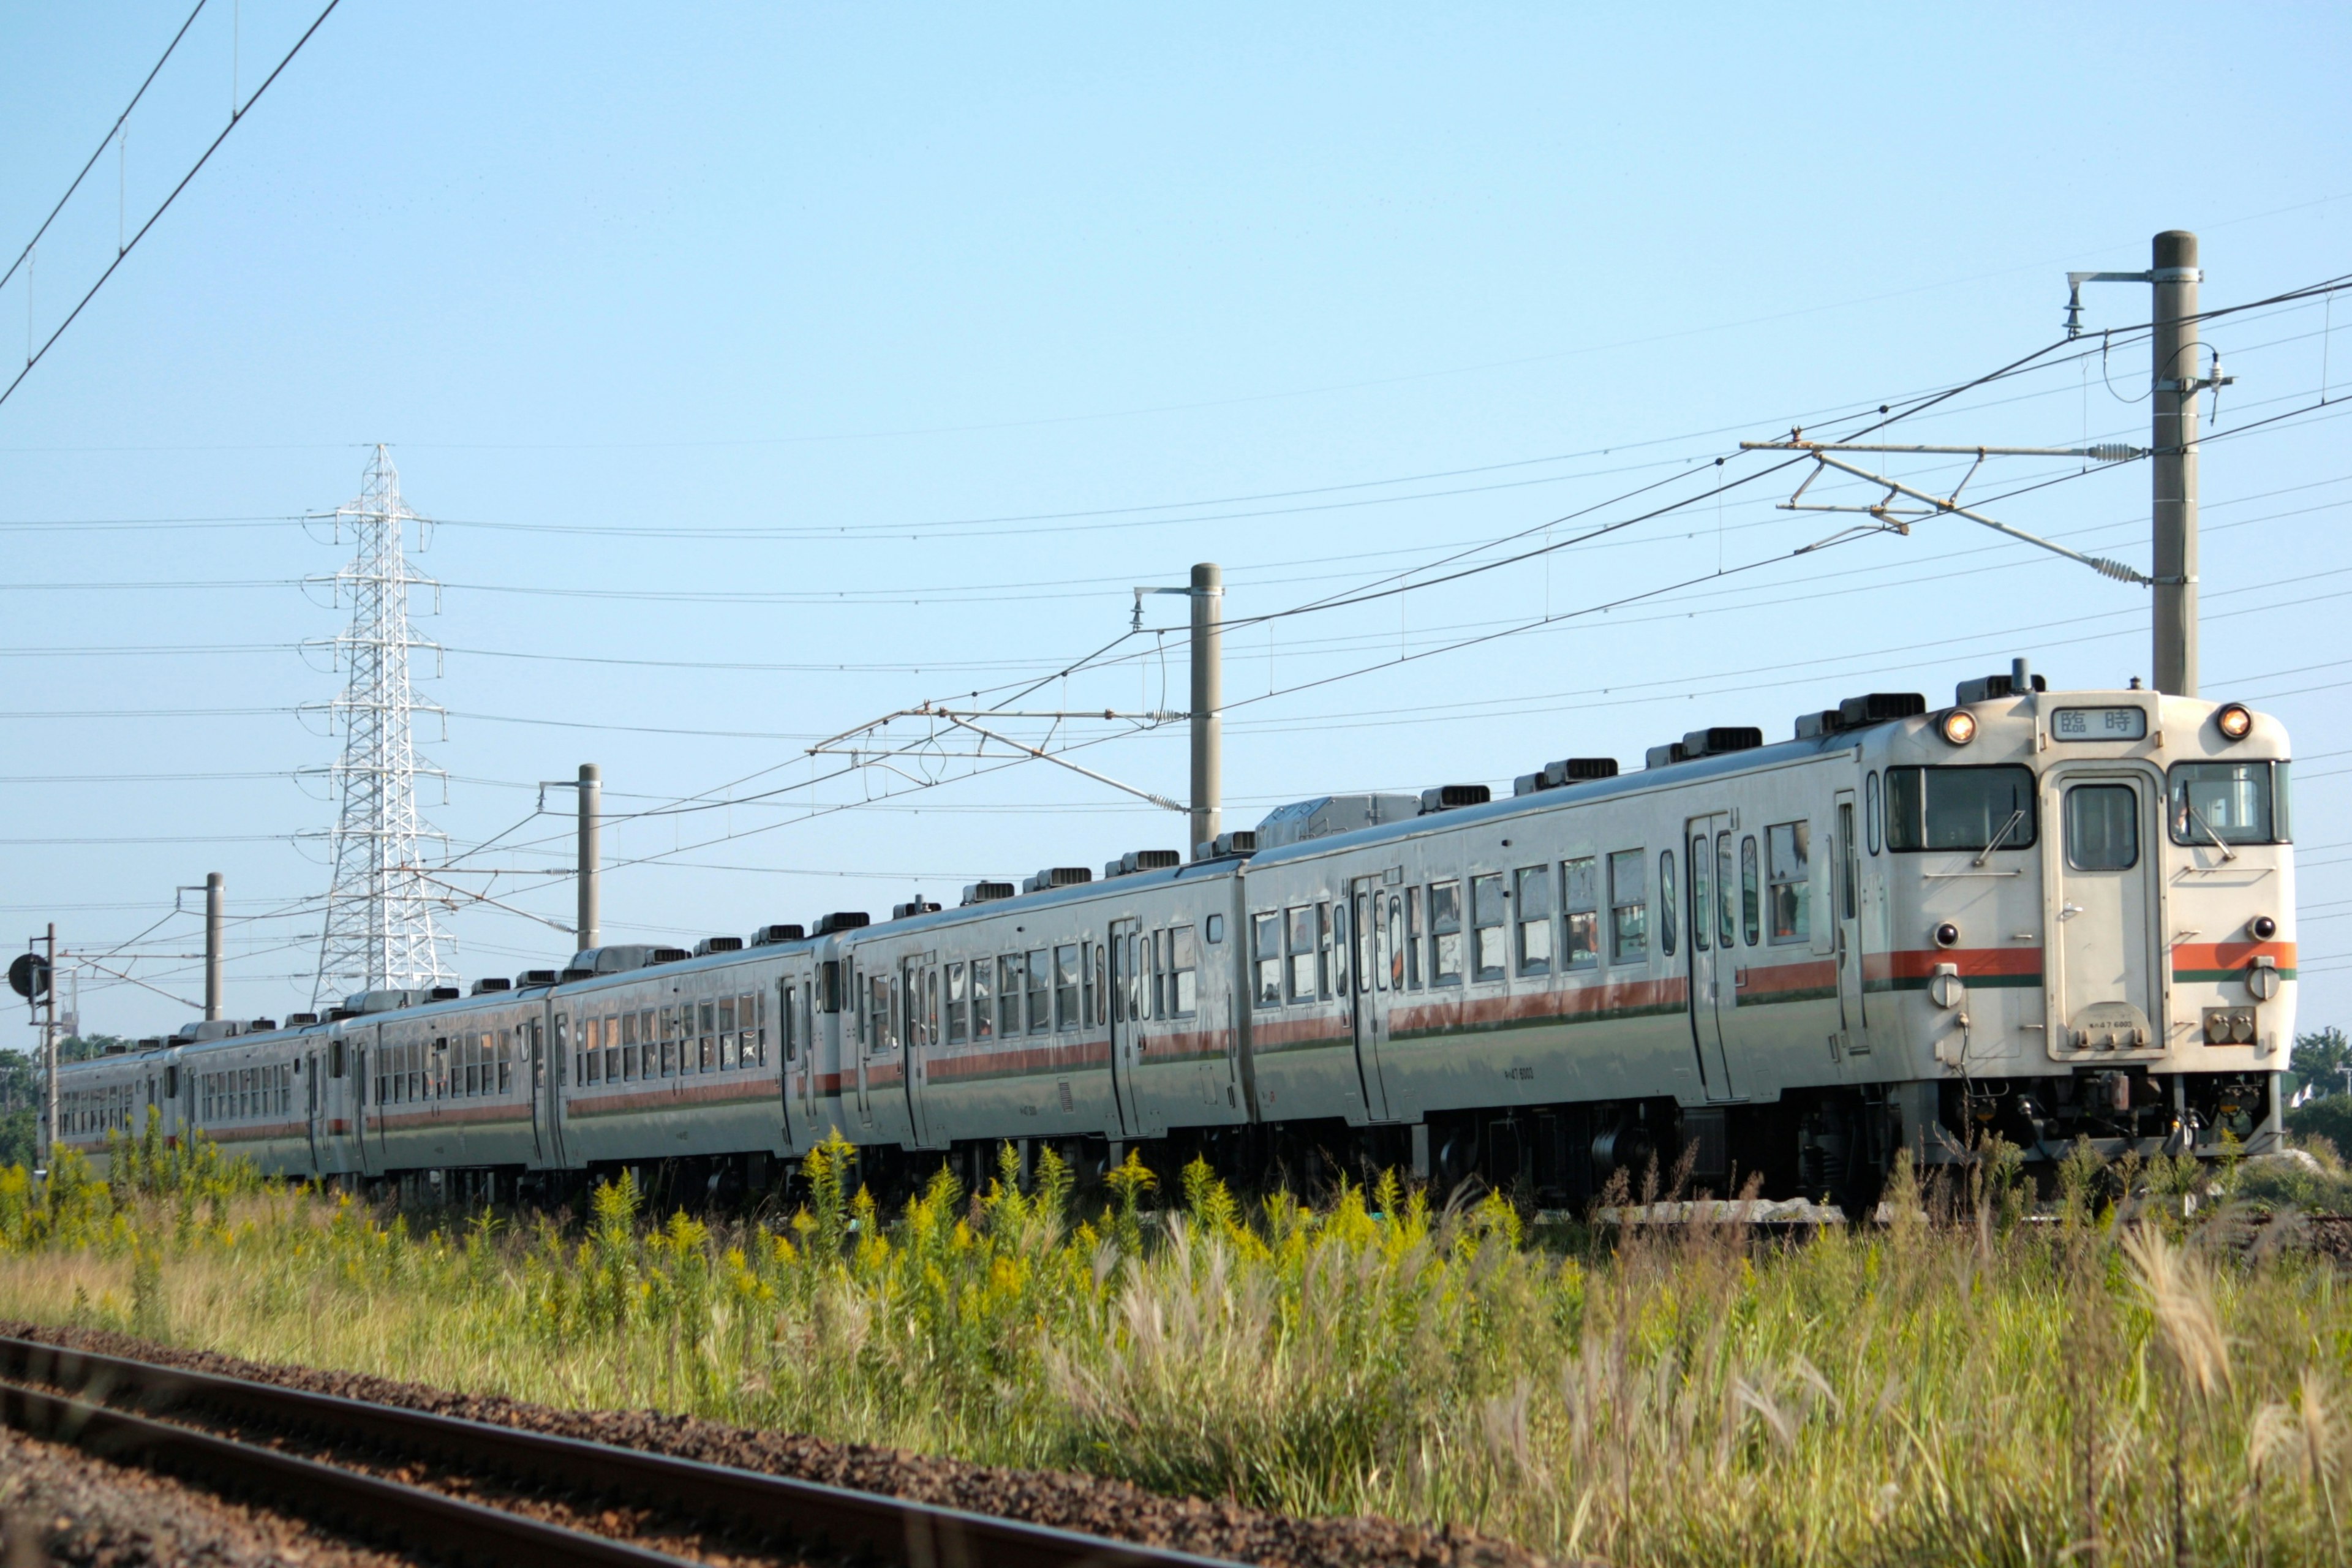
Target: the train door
(1853, 1021)
(1126, 1012)
(550, 1040)
(919, 988)
(359, 1055)
(791, 1091)
(2105, 981)
(1714, 961)
(1366, 941)
(314, 1106)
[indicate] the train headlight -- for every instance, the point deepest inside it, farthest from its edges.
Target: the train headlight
(2261, 928)
(2234, 721)
(1959, 726)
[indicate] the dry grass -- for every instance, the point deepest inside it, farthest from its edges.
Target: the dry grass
(2114, 1387)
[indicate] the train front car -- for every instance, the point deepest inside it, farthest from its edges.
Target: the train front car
(2078, 920)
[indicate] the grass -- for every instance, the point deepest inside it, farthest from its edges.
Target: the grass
(2107, 1383)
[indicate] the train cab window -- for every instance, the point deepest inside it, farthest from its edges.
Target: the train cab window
(1534, 917)
(1066, 986)
(983, 995)
(1266, 956)
(1487, 917)
(959, 999)
(1184, 973)
(1751, 893)
(2102, 827)
(1629, 908)
(1960, 808)
(1040, 980)
(1446, 953)
(1008, 996)
(1788, 854)
(1870, 809)
(2237, 803)
(1666, 904)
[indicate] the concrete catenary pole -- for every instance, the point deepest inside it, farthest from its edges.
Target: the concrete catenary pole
(1208, 700)
(592, 809)
(215, 885)
(2178, 378)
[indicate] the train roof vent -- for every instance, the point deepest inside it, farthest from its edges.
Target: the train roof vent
(1563, 773)
(262, 1026)
(445, 993)
(1721, 738)
(382, 1001)
(117, 1048)
(1054, 877)
(1135, 861)
(1665, 756)
(300, 1020)
(537, 977)
(337, 1015)
(710, 944)
(1450, 797)
(573, 972)
(842, 919)
(985, 892)
(1881, 708)
(770, 935)
(1327, 814)
(912, 908)
(671, 955)
(1985, 688)
(1234, 844)
(153, 1043)
(491, 982)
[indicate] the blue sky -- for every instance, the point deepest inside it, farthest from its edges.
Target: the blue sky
(941, 329)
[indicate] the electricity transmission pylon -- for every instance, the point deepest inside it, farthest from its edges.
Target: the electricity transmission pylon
(378, 930)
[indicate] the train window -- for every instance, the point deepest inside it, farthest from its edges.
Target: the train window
(613, 1049)
(2102, 828)
(1788, 854)
(1445, 934)
(1535, 920)
(1396, 942)
(751, 1011)
(731, 1054)
(1266, 956)
(2238, 803)
(1330, 959)
(1667, 905)
(1010, 995)
(1487, 920)
(1091, 988)
(1702, 865)
(592, 1048)
(334, 1062)
(983, 992)
(1412, 937)
(628, 1047)
(1039, 978)
(1580, 911)
(1727, 892)
(1960, 808)
(1629, 908)
(1870, 809)
(1100, 1014)
(1213, 929)
(1302, 953)
(1849, 867)
(1751, 895)
(506, 1061)
(959, 997)
(1183, 972)
(707, 1051)
(1066, 986)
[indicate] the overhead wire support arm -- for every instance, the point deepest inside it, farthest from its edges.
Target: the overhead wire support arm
(1936, 504)
(1045, 756)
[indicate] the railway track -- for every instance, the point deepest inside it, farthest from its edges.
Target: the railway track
(232, 1435)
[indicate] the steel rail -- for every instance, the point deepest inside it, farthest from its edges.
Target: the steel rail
(857, 1523)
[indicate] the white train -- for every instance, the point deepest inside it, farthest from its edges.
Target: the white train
(2044, 915)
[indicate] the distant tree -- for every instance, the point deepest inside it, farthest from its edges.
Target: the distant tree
(2320, 1059)
(2330, 1119)
(81, 1047)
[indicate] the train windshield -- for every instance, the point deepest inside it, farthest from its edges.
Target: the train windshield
(1960, 808)
(2236, 802)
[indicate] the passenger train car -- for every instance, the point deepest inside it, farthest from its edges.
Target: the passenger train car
(2048, 916)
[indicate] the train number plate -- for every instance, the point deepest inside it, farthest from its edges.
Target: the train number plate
(2099, 724)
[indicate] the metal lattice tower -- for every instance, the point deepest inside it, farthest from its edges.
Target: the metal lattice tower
(378, 930)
